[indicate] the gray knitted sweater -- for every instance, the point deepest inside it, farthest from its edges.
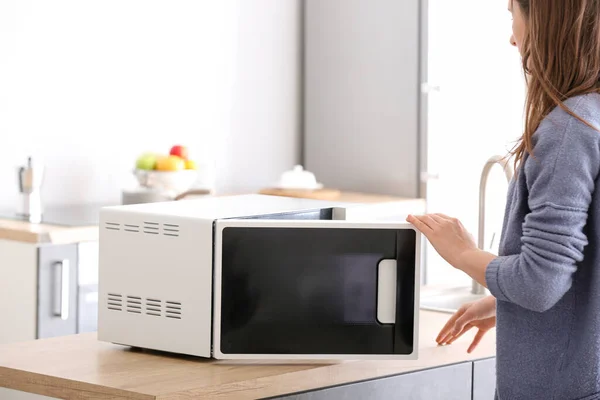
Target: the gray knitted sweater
(547, 278)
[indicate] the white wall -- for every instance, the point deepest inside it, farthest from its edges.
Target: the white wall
(265, 138)
(462, 132)
(88, 85)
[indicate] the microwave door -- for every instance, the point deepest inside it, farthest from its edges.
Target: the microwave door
(315, 290)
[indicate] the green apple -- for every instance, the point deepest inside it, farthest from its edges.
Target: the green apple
(146, 162)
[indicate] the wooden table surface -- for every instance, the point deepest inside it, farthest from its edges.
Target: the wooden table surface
(26, 232)
(342, 196)
(80, 367)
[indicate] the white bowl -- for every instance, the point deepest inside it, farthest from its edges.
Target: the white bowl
(298, 178)
(171, 181)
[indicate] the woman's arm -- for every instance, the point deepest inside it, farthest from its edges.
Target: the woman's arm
(454, 243)
(561, 178)
(474, 263)
(551, 247)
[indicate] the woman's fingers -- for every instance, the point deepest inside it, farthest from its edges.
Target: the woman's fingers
(452, 337)
(462, 321)
(421, 224)
(444, 335)
(429, 221)
(432, 221)
(446, 218)
(476, 340)
(447, 329)
(438, 220)
(457, 325)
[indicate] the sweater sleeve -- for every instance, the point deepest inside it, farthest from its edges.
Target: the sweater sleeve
(560, 178)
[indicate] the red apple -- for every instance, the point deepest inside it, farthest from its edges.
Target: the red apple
(179, 151)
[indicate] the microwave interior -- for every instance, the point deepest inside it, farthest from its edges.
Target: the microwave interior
(286, 290)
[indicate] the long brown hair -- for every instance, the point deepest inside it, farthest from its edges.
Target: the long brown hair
(561, 59)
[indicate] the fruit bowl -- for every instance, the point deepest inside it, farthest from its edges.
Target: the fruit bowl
(175, 182)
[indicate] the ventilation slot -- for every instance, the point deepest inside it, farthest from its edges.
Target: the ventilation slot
(114, 302)
(134, 304)
(153, 307)
(173, 309)
(146, 306)
(132, 228)
(170, 230)
(151, 228)
(112, 226)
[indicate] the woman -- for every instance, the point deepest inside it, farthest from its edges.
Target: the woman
(546, 281)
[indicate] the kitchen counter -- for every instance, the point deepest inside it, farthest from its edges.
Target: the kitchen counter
(59, 225)
(343, 196)
(26, 232)
(80, 367)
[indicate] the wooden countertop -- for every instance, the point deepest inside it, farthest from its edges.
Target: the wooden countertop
(351, 197)
(83, 368)
(342, 196)
(26, 232)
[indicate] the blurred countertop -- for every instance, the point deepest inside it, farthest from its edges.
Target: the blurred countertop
(33, 233)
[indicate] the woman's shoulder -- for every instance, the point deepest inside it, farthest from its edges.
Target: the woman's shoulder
(560, 122)
(586, 106)
(566, 150)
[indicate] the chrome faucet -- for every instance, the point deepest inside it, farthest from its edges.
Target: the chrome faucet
(477, 288)
(450, 299)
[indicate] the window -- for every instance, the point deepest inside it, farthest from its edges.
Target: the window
(477, 113)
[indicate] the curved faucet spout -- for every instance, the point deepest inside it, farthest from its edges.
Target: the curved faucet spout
(509, 173)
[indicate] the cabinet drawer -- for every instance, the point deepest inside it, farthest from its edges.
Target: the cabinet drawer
(445, 383)
(9, 394)
(484, 379)
(57, 291)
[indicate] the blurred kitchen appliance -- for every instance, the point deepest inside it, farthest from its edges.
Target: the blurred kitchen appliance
(30, 178)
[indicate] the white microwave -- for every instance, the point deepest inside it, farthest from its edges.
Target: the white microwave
(258, 277)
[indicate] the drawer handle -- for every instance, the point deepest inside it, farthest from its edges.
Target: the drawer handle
(61, 296)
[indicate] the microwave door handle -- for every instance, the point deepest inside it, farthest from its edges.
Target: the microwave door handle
(61, 289)
(387, 272)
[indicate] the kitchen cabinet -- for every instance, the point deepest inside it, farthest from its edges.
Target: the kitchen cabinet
(484, 379)
(47, 290)
(18, 292)
(445, 383)
(8, 394)
(362, 94)
(87, 286)
(57, 291)
(67, 289)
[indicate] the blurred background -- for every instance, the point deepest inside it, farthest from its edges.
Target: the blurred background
(400, 98)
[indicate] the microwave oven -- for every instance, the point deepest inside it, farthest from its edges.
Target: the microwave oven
(258, 277)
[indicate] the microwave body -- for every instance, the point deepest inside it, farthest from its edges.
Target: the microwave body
(258, 277)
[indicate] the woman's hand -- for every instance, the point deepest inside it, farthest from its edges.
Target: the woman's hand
(447, 235)
(480, 314)
(452, 241)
